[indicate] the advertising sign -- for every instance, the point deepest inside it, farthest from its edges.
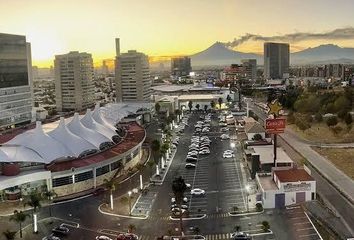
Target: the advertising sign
(274, 126)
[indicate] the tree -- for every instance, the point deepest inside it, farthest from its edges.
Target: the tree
(34, 201)
(19, 217)
(301, 124)
(178, 188)
(9, 235)
(197, 106)
(178, 113)
(212, 104)
(131, 228)
(157, 107)
(265, 226)
(318, 117)
(110, 185)
(196, 230)
(205, 108)
(155, 148)
(257, 137)
(348, 119)
(220, 102)
(332, 121)
(49, 195)
(190, 106)
(228, 98)
(237, 228)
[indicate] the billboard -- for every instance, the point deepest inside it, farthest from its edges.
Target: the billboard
(275, 125)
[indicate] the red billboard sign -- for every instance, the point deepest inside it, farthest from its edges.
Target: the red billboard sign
(276, 125)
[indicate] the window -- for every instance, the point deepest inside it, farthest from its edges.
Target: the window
(102, 170)
(83, 176)
(116, 164)
(57, 182)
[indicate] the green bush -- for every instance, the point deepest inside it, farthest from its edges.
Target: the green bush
(259, 207)
(265, 226)
(332, 121)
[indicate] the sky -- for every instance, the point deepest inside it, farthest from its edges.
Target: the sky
(167, 27)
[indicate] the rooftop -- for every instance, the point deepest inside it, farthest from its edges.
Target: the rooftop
(266, 181)
(266, 154)
(293, 175)
(198, 97)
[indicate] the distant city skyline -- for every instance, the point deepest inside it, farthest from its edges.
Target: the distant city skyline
(173, 28)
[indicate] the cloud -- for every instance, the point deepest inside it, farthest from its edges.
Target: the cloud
(336, 34)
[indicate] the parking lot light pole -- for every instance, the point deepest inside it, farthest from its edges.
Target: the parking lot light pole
(130, 207)
(247, 195)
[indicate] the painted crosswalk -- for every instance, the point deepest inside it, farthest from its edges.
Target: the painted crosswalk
(217, 215)
(220, 236)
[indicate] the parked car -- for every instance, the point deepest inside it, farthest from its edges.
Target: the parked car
(203, 152)
(185, 200)
(190, 165)
(197, 192)
(51, 237)
(224, 129)
(228, 155)
(61, 230)
(127, 236)
(225, 136)
(102, 237)
(183, 206)
(240, 236)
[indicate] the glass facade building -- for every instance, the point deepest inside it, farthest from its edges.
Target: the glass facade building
(15, 87)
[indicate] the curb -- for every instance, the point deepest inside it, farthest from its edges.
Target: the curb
(245, 214)
(118, 215)
(186, 219)
(261, 234)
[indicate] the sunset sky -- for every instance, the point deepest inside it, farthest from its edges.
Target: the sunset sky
(167, 27)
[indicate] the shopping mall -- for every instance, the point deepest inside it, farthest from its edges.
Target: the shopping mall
(70, 155)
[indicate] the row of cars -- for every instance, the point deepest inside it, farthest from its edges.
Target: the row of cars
(200, 145)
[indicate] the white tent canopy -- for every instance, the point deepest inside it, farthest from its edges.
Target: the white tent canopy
(90, 123)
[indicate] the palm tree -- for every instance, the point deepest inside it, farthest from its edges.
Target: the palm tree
(205, 108)
(34, 201)
(197, 106)
(157, 107)
(178, 113)
(220, 102)
(110, 185)
(9, 235)
(212, 104)
(190, 105)
(178, 188)
(19, 217)
(49, 194)
(155, 148)
(131, 228)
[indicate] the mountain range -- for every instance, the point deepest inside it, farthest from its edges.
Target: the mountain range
(219, 54)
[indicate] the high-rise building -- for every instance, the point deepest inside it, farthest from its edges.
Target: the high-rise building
(15, 80)
(250, 66)
(276, 60)
(180, 66)
(74, 89)
(133, 81)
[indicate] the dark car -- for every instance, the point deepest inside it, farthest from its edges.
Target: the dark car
(61, 230)
(127, 236)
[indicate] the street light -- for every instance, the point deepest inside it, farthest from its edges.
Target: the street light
(247, 194)
(232, 145)
(130, 207)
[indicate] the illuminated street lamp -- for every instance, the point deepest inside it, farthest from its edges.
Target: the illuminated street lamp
(232, 145)
(247, 194)
(130, 207)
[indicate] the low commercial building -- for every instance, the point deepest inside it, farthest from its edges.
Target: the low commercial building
(261, 159)
(284, 187)
(254, 128)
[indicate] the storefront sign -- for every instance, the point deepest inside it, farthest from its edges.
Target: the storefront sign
(276, 125)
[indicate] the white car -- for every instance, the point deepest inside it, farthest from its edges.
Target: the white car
(224, 129)
(228, 155)
(229, 151)
(197, 192)
(225, 136)
(194, 152)
(173, 200)
(103, 238)
(190, 165)
(188, 185)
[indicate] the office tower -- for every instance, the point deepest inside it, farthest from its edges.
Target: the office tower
(133, 81)
(15, 80)
(250, 66)
(74, 89)
(276, 60)
(180, 66)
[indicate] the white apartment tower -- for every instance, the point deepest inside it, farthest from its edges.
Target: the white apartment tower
(74, 89)
(15, 80)
(133, 81)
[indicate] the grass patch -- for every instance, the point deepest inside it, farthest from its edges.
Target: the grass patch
(320, 132)
(342, 158)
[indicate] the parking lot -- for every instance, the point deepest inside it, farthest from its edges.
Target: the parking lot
(219, 177)
(145, 202)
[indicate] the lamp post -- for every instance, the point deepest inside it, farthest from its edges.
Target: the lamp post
(130, 207)
(247, 194)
